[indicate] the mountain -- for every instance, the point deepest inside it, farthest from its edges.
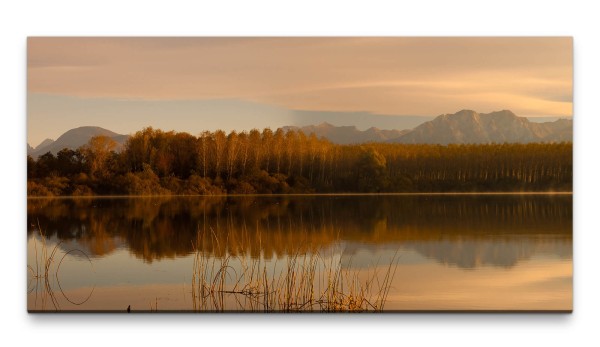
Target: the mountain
(348, 134)
(74, 139)
(360, 119)
(468, 126)
(465, 126)
(45, 143)
(557, 131)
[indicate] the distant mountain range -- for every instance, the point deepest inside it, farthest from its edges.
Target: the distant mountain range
(468, 126)
(348, 134)
(464, 127)
(74, 139)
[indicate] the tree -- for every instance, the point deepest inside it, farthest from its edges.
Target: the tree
(184, 154)
(68, 162)
(371, 171)
(156, 162)
(232, 151)
(244, 150)
(138, 149)
(203, 144)
(96, 154)
(267, 142)
(30, 167)
(291, 146)
(46, 165)
(219, 141)
(256, 148)
(278, 148)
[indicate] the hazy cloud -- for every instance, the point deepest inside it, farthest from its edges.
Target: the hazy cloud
(417, 76)
(191, 84)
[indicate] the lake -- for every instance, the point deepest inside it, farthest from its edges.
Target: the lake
(391, 252)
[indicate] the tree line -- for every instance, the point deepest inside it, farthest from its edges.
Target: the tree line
(154, 162)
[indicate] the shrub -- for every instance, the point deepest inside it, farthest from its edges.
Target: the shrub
(196, 185)
(242, 187)
(57, 185)
(144, 183)
(81, 190)
(35, 189)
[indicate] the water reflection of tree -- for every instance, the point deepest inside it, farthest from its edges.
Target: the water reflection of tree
(156, 228)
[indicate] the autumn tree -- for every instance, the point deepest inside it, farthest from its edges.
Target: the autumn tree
(157, 162)
(371, 171)
(96, 154)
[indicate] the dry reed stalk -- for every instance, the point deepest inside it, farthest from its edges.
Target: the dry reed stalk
(42, 271)
(306, 283)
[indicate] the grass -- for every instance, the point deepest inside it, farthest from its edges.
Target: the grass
(44, 272)
(306, 282)
(41, 272)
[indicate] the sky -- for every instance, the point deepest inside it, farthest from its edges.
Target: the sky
(195, 84)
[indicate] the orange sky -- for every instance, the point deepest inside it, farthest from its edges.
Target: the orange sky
(389, 76)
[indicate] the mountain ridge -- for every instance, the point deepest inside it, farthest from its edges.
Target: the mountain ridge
(462, 127)
(347, 134)
(75, 138)
(468, 126)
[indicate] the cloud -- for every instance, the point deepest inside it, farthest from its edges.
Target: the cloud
(419, 76)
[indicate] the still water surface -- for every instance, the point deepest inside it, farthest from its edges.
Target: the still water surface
(453, 252)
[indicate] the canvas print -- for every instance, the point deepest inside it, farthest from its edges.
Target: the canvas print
(299, 174)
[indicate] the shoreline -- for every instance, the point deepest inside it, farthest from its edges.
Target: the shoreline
(297, 194)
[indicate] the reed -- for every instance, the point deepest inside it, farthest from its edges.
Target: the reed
(46, 273)
(41, 273)
(306, 282)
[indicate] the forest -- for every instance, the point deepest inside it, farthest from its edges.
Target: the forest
(155, 162)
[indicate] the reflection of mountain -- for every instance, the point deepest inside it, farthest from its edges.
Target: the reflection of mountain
(467, 253)
(504, 252)
(466, 231)
(94, 245)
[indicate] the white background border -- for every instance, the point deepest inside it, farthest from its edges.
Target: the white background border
(19, 19)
